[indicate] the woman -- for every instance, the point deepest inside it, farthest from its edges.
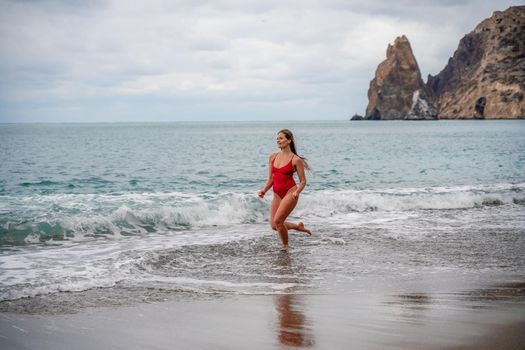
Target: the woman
(286, 193)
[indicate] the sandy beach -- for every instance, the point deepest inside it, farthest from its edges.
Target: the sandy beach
(485, 318)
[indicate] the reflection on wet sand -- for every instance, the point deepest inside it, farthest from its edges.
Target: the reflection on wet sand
(475, 298)
(500, 292)
(293, 328)
(412, 307)
(414, 301)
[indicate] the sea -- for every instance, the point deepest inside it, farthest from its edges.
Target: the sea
(117, 213)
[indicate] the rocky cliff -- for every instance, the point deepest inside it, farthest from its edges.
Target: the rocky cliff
(397, 90)
(485, 78)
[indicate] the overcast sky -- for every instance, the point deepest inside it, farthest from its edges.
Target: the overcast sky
(163, 60)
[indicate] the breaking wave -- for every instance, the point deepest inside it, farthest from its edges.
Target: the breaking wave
(38, 218)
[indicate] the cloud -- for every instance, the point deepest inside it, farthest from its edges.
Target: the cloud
(119, 60)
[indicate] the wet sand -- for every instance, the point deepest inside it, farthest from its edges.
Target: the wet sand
(510, 337)
(488, 318)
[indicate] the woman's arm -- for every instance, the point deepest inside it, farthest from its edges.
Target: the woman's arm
(299, 167)
(269, 181)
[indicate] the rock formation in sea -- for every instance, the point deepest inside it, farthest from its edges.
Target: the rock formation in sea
(485, 78)
(357, 117)
(397, 90)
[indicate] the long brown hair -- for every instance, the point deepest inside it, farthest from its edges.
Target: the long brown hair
(289, 136)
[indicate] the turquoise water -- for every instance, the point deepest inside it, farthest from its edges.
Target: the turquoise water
(212, 157)
(106, 205)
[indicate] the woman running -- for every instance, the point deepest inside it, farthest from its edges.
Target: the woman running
(286, 193)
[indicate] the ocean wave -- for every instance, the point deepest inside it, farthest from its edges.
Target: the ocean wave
(330, 202)
(59, 217)
(38, 218)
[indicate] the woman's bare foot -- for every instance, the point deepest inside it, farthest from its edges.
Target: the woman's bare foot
(300, 227)
(284, 248)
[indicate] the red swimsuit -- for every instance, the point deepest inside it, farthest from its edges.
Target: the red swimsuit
(282, 178)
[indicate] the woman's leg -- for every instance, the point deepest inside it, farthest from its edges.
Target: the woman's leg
(298, 227)
(275, 204)
(286, 206)
(290, 225)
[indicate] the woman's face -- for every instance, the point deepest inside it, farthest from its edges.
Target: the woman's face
(282, 141)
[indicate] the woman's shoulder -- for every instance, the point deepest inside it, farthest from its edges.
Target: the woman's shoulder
(272, 156)
(297, 160)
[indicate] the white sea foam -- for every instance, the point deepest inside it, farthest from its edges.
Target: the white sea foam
(328, 202)
(80, 217)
